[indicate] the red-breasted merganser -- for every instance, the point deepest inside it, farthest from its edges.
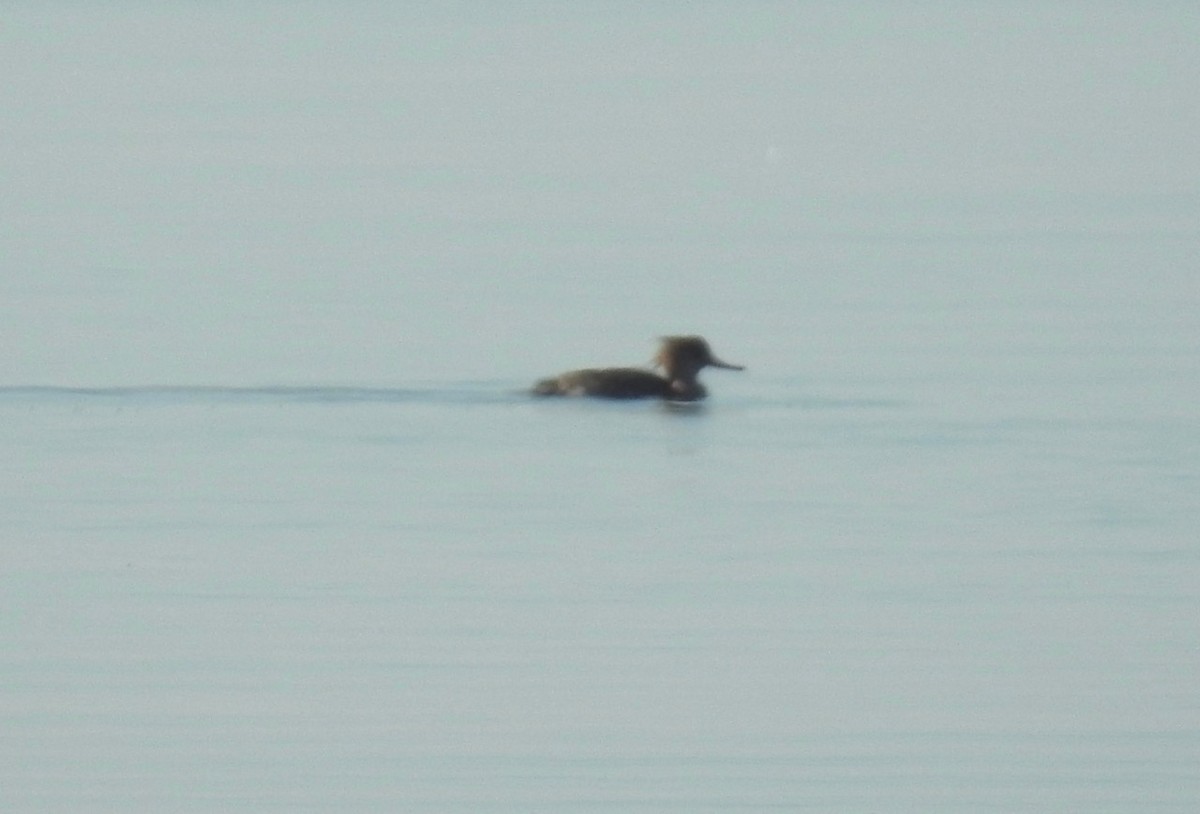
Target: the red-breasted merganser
(680, 357)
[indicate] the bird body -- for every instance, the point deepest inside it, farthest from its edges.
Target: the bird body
(681, 359)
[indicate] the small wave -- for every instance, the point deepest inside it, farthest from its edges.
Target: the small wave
(464, 393)
(470, 393)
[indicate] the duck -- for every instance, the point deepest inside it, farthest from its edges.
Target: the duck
(681, 359)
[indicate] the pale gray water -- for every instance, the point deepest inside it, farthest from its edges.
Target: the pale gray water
(281, 532)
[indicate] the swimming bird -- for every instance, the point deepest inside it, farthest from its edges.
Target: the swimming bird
(680, 357)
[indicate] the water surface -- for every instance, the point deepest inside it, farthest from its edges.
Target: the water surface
(282, 531)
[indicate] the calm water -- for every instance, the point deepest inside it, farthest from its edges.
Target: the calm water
(281, 532)
(462, 599)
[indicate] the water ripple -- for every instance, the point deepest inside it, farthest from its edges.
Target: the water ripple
(460, 393)
(479, 393)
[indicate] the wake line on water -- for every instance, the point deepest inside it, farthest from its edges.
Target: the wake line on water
(450, 394)
(490, 393)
